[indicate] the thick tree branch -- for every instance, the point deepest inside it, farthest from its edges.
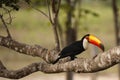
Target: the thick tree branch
(33, 50)
(80, 65)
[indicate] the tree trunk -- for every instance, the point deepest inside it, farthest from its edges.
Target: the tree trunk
(71, 26)
(116, 21)
(116, 24)
(69, 35)
(71, 31)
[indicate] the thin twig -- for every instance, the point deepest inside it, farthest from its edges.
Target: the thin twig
(4, 23)
(8, 12)
(40, 11)
(11, 21)
(59, 3)
(49, 12)
(43, 13)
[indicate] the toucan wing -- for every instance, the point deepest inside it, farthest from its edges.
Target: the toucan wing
(72, 49)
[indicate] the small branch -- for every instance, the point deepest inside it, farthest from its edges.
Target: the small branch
(60, 30)
(53, 20)
(50, 16)
(79, 65)
(57, 46)
(40, 11)
(55, 11)
(8, 12)
(7, 30)
(58, 8)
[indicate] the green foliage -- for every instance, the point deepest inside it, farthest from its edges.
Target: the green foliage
(11, 3)
(88, 11)
(38, 2)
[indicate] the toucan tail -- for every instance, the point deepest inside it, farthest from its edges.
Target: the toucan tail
(56, 60)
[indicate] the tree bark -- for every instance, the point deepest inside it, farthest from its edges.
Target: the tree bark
(116, 20)
(80, 65)
(33, 50)
(117, 26)
(71, 28)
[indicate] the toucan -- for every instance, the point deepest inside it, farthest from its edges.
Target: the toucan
(78, 47)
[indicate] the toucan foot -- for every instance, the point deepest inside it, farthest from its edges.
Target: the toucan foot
(72, 58)
(94, 56)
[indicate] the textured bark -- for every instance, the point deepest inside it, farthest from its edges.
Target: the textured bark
(117, 26)
(79, 65)
(33, 50)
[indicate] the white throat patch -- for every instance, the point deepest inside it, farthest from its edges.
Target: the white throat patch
(85, 43)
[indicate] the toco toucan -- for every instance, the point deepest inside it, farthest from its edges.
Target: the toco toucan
(79, 46)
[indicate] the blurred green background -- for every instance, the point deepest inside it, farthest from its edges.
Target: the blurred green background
(31, 27)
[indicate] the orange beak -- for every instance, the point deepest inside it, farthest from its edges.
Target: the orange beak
(95, 41)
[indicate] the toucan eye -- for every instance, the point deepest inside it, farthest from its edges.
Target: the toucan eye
(87, 37)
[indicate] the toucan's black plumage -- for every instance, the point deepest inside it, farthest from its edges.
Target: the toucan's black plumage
(73, 49)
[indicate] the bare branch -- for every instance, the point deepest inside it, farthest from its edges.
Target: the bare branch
(9, 13)
(50, 16)
(33, 50)
(53, 19)
(55, 10)
(56, 7)
(40, 11)
(4, 23)
(17, 74)
(81, 65)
